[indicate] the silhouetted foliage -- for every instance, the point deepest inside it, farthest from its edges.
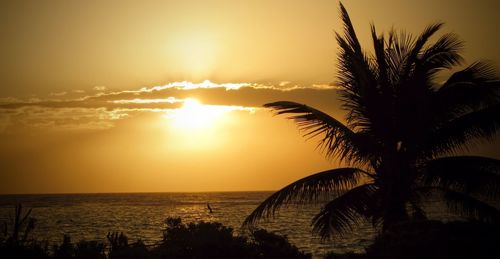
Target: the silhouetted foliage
(66, 250)
(117, 241)
(16, 241)
(26, 251)
(437, 240)
(119, 248)
(269, 246)
(17, 233)
(90, 250)
(214, 240)
(203, 240)
(433, 240)
(346, 256)
(402, 134)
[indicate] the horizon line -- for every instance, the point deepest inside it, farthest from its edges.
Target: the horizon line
(153, 192)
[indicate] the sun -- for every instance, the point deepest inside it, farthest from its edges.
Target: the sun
(194, 115)
(198, 126)
(194, 126)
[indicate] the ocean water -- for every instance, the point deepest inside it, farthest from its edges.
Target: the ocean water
(142, 216)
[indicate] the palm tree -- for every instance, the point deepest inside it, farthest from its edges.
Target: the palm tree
(402, 135)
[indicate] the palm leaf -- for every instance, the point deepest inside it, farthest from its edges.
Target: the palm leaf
(473, 88)
(398, 56)
(423, 38)
(452, 136)
(470, 174)
(468, 206)
(463, 204)
(443, 54)
(343, 213)
(349, 31)
(477, 73)
(338, 139)
(357, 84)
(378, 46)
(355, 76)
(306, 190)
(415, 48)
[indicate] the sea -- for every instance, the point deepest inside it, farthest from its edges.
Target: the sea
(142, 216)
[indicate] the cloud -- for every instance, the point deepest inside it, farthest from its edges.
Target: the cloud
(59, 94)
(100, 88)
(140, 101)
(102, 109)
(185, 85)
(47, 118)
(7, 100)
(284, 83)
(172, 94)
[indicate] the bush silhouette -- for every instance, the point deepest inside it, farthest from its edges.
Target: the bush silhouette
(213, 240)
(90, 250)
(201, 240)
(269, 245)
(437, 240)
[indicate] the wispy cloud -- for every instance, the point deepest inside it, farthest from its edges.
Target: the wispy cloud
(140, 101)
(284, 83)
(207, 84)
(35, 117)
(100, 88)
(100, 110)
(185, 85)
(246, 94)
(7, 100)
(59, 94)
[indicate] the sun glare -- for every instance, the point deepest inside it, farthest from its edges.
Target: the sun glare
(197, 126)
(194, 115)
(194, 52)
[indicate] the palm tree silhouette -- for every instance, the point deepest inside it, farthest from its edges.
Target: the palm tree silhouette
(402, 136)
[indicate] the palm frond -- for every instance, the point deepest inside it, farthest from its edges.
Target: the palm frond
(349, 31)
(463, 204)
(443, 54)
(357, 83)
(468, 206)
(416, 48)
(379, 48)
(417, 213)
(423, 38)
(398, 55)
(343, 213)
(310, 189)
(477, 73)
(337, 139)
(467, 129)
(354, 76)
(469, 174)
(475, 87)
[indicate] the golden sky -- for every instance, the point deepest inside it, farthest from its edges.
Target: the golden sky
(151, 96)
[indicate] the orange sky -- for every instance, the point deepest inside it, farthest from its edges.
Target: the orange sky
(89, 103)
